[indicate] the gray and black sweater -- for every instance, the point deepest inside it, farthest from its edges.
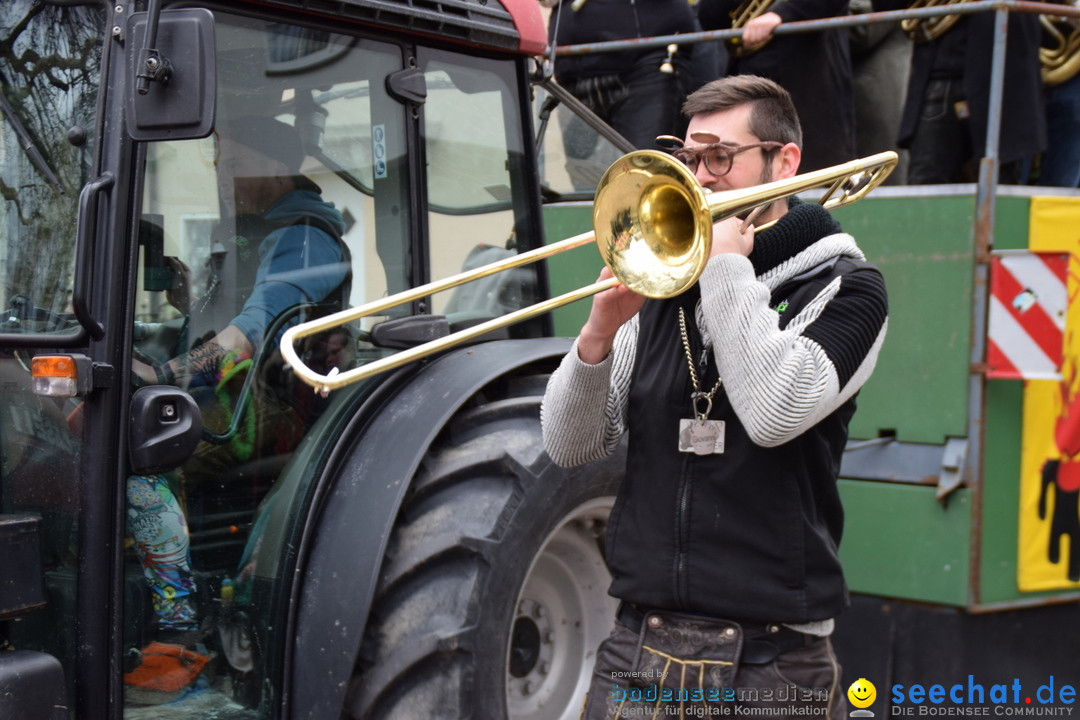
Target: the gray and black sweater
(793, 332)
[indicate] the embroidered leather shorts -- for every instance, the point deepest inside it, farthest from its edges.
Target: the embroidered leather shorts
(660, 664)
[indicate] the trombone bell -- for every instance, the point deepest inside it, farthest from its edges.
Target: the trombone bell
(652, 224)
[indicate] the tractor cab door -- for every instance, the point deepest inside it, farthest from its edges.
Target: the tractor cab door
(154, 514)
(296, 205)
(341, 168)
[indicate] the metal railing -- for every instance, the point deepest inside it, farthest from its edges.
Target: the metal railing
(803, 26)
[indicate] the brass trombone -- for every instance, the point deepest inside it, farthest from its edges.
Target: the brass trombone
(922, 30)
(652, 224)
(740, 16)
(1060, 51)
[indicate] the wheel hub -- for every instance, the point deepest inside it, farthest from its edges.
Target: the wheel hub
(525, 646)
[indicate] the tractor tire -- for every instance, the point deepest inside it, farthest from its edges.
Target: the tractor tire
(493, 593)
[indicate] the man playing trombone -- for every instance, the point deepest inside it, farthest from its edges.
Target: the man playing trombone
(735, 398)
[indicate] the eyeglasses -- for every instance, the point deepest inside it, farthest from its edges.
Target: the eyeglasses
(718, 157)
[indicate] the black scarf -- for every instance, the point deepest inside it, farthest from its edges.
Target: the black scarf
(804, 224)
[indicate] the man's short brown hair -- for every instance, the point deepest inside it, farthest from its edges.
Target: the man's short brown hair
(772, 115)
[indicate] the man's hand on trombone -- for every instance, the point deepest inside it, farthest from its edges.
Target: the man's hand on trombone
(733, 235)
(611, 309)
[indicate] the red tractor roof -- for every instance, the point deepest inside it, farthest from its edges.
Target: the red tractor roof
(510, 25)
(530, 24)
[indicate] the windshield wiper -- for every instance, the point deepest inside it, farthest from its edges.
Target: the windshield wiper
(25, 141)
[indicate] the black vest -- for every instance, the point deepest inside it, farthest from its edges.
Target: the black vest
(749, 534)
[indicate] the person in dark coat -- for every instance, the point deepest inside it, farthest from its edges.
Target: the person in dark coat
(815, 68)
(948, 102)
(632, 89)
(880, 64)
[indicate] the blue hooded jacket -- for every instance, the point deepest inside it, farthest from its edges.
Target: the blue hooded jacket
(298, 262)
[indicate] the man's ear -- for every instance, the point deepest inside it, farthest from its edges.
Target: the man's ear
(787, 161)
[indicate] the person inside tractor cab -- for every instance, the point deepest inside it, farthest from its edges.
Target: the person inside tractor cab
(280, 251)
(277, 258)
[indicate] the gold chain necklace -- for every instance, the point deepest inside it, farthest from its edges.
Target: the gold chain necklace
(697, 395)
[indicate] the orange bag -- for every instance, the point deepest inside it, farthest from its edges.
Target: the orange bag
(163, 674)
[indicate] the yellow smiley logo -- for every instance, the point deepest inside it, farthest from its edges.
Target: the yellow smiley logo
(862, 693)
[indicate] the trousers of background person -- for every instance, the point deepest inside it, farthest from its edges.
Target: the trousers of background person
(940, 149)
(637, 102)
(1061, 165)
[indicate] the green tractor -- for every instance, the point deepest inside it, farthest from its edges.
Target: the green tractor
(210, 537)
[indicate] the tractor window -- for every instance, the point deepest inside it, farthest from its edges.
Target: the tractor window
(49, 76)
(295, 206)
(573, 155)
(476, 183)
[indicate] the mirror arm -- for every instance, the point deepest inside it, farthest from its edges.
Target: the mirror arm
(152, 66)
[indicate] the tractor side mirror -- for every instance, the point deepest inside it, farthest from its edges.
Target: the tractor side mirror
(172, 69)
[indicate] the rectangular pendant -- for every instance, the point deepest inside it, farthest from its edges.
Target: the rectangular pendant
(701, 437)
